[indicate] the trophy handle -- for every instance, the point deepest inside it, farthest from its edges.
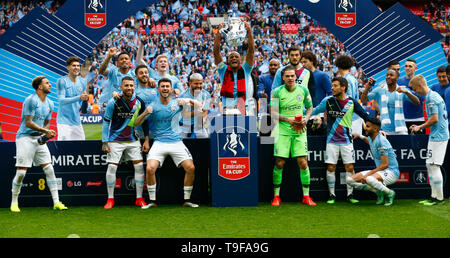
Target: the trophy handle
(225, 28)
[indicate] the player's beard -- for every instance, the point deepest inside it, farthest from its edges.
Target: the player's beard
(128, 95)
(294, 64)
(372, 134)
(339, 95)
(144, 82)
(47, 90)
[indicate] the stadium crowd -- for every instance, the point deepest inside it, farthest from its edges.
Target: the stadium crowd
(180, 30)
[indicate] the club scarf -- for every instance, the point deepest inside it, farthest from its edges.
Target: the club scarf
(228, 83)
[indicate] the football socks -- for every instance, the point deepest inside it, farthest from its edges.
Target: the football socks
(111, 179)
(139, 177)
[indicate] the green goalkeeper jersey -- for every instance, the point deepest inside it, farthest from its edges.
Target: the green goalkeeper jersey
(290, 104)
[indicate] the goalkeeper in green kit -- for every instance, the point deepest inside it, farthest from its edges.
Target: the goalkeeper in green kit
(287, 104)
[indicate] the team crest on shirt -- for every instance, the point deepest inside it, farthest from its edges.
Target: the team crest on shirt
(173, 108)
(95, 13)
(299, 97)
(345, 13)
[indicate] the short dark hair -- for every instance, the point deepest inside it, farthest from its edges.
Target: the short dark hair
(123, 53)
(37, 81)
(294, 48)
(342, 81)
(374, 121)
(287, 68)
(310, 56)
(139, 67)
(344, 62)
(72, 59)
(392, 62)
(411, 60)
(165, 80)
(127, 78)
(441, 69)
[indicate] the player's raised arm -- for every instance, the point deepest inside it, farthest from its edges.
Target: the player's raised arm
(140, 51)
(216, 49)
(249, 58)
(104, 66)
(141, 118)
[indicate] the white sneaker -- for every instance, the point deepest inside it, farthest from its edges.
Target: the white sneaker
(150, 205)
(190, 204)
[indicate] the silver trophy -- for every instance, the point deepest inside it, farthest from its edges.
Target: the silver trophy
(234, 30)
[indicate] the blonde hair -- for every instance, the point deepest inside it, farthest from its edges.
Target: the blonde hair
(418, 79)
(162, 56)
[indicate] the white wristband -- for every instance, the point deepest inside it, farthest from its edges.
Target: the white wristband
(362, 137)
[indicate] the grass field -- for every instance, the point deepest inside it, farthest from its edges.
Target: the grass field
(405, 219)
(93, 131)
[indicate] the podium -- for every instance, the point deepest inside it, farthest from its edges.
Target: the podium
(234, 161)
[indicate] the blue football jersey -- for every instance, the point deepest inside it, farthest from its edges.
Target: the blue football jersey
(382, 147)
(41, 112)
(165, 119)
(435, 105)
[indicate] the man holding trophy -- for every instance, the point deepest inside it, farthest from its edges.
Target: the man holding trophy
(235, 92)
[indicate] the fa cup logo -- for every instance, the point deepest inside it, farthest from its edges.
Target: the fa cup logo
(345, 13)
(344, 4)
(94, 4)
(95, 13)
(233, 140)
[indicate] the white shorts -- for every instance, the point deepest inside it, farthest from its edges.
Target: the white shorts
(177, 150)
(126, 150)
(346, 152)
(70, 132)
(29, 152)
(436, 152)
(387, 175)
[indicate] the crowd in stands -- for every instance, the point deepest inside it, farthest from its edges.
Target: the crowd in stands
(179, 29)
(184, 35)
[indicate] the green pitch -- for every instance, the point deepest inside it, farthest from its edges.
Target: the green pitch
(405, 219)
(93, 131)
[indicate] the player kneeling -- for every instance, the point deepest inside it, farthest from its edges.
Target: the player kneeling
(386, 172)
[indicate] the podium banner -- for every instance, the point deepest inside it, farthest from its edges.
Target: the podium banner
(234, 156)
